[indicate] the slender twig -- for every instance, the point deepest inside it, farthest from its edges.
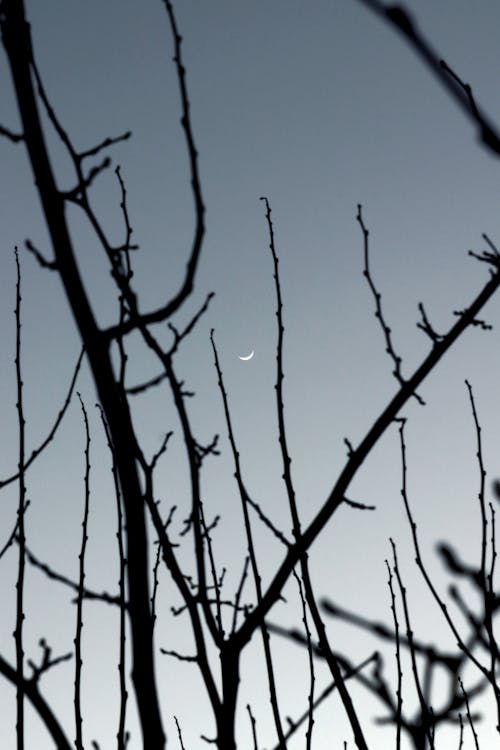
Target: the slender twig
(179, 733)
(14, 137)
(265, 519)
(155, 583)
(216, 581)
(253, 725)
(426, 714)
(127, 246)
(18, 632)
(81, 582)
(469, 717)
(426, 326)
(251, 550)
(106, 143)
(389, 347)
(399, 693)
(51, 434)
(14, 534)
(310, 656)
(461, 737)
(239, 592)
(485, 583)
(494, 555)
(47, 662)
(55, 576)
(121, 734)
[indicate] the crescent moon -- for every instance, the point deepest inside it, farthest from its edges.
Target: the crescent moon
(245, 359)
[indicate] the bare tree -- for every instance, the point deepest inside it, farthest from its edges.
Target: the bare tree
(222, 625)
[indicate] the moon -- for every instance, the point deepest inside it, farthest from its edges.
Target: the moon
(245, 359)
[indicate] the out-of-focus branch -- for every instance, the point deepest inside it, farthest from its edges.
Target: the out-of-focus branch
(14, 137)
(401, 20)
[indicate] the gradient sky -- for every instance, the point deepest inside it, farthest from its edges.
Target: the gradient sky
(319, 107)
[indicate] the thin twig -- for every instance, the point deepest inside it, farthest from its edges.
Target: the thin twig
(14, 534)
(81, 584)
(427, 718)
(21, 536)
(389, 347)
(253, 724)
(167, 310)
(469, 717)
(179, 733)
(399, 694)
(310, 656)
(14, 137)
(121, 735)
(51, 434)
(239, 592)
(55, 576)
(251, 549)
(47, 661)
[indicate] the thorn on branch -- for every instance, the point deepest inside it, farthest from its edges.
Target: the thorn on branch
(187, 330)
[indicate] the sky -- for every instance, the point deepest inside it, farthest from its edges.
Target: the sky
(319, 107)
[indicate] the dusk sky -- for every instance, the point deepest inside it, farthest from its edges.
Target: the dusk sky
(320, 107)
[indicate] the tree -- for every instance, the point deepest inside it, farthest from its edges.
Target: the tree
(223, 627)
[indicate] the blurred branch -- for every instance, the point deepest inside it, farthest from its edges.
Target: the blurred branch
(401, 20)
